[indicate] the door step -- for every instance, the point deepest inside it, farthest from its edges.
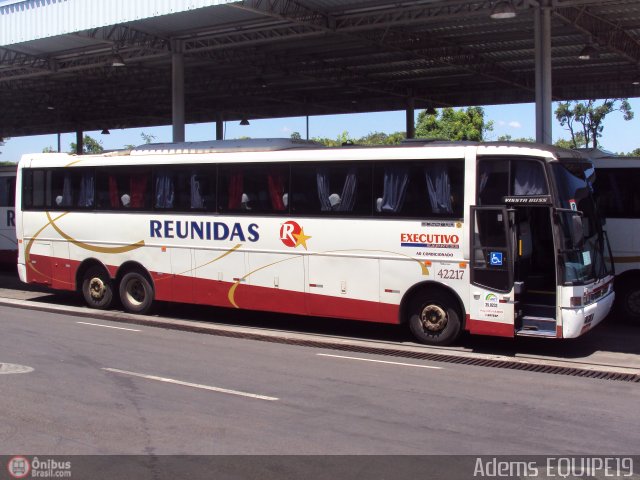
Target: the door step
(535, 333)
(538, 326)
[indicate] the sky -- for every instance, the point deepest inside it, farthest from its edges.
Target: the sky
(516, 120)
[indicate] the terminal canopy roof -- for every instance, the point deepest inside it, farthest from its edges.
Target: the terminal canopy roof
(275, 58)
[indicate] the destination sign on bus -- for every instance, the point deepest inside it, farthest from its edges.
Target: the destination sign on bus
(528, 200)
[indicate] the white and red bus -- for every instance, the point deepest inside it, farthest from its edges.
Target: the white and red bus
(8, 242)
(496, 239)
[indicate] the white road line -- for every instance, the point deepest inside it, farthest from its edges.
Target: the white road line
(109, 326)
(379, 361)
(194, 385)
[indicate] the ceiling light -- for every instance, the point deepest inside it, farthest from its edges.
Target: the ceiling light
(117, 60)
(588, 53)
(503, 10)
(244, 122)
(105, 132)
(636, 80)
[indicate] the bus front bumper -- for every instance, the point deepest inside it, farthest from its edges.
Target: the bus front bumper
(577, 321)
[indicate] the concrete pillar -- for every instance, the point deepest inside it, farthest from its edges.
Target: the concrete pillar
(543, 75)
(219, 127)
(411, 125)
(177, 91)
(79, 142)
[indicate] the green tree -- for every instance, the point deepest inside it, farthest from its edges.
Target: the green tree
(564, 143)
(296, 136)
(49, 149)
(587, 117)
(89, 145)
(632, 153)
(341, 139)
(454, 124)
(509, 138)
(146, 139)
(380, 138)
(3, 140)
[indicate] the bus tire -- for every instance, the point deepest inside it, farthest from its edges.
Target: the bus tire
(628, 298)
(97, 288)
(434, 317)
(136, 293)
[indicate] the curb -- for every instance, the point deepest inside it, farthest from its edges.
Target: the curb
(283, 336)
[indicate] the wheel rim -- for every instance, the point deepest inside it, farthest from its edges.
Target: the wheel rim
(433, 318)
(633, 303)
(136, 292)
(97, 289)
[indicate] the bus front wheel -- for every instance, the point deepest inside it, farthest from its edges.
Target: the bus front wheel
(628, 297)
(434, 318)
(97, 288)
(136, 293)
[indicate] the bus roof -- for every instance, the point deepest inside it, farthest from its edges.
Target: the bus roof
(278, 149)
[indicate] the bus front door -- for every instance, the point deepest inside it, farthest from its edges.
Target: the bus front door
(492, 296)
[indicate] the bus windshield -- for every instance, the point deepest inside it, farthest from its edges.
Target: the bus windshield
(574, 183)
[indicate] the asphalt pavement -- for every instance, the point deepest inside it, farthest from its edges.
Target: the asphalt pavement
(107, 383)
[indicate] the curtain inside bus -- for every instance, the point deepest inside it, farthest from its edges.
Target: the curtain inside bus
(395, 182)
(66, 199)
(529, 179)
(165, 192)
(87, 190)
(275, 181)
(236, 186)
(114, 201)
(438, 187)
(138, 185)
(196, 192)
(332, 201)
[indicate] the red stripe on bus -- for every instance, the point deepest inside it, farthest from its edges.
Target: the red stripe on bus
(185, 289)
(482, 327)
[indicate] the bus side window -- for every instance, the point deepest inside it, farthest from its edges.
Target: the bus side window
(12, 190)
(253, 188)
(616, 192)
(493, 182)
(5, 191)
(202, 188)
(336, 189)
(419, 189)
(124, 189)
(72, 188)
(36, 190)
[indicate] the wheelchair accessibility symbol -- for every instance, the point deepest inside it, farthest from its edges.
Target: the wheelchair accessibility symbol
(495, 258)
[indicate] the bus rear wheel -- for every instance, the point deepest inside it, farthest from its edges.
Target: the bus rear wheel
(97, 288)
(136, 293)
(434, 318)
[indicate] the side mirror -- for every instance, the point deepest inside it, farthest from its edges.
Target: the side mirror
(577, 231)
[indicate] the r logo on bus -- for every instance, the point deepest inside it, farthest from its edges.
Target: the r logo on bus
(11, 218)
(292, 234)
